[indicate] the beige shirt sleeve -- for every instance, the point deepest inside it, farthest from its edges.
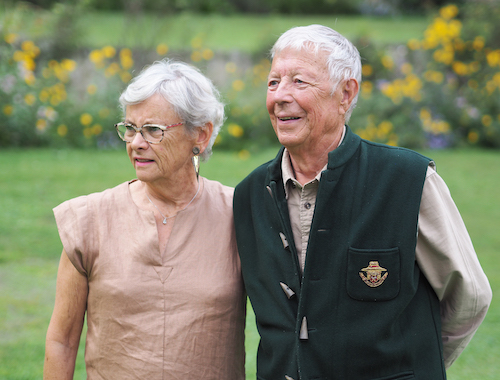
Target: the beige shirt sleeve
(447, 258)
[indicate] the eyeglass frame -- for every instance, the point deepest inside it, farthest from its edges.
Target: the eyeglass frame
(137, 129)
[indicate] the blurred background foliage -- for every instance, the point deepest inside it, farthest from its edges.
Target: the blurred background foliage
(435, 91)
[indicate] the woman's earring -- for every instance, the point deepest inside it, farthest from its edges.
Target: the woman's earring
(196, 160)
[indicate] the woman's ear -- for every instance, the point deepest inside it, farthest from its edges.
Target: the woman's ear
(204, 135)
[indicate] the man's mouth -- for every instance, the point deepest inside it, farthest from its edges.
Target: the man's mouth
(288, 118)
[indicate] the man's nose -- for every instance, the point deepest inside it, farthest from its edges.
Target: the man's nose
(282, 93)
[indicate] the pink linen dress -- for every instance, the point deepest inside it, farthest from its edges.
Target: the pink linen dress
(179, 314)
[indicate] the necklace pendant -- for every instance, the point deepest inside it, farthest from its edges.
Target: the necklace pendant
(164, 220)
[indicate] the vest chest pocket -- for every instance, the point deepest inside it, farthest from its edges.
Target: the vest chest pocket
(373, 274)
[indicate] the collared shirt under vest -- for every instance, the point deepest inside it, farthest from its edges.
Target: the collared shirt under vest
(362, 309)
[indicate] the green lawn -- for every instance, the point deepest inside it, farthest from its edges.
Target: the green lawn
(34, 181)
(243, 33)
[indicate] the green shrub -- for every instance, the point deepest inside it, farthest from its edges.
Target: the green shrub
(438, 91)
(442, 90)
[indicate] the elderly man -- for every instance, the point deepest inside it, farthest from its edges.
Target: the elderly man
(354, 256)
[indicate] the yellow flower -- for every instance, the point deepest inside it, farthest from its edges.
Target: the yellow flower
(238, 85)
(10, 38)
(68, 64)
(18, 56)
(50, 113)
(162, 49)
(384, 128)
(44, 95)
(406, 68)
(29, 78)
(492, 57)
(86, 119)
(29, 64)
(367, 70)
(96, 129)
(112, 70)
(7, 110)
(366, 89)
(448, 12)
(243, 154)
(125, 76)
(434, 76)
(97, 57)
(474, 67)
(473, 137)
(487, 120)
(30, 48)
(413, 44)
(196, 56)
(62, 130)
(41, 124)
(126, 58)
(91, 89)
(460, 68)
(109, 51)
(30, 99)
(478, 43)
(496, 79)
(207, 54)
(235, 130)
(393, 140)
(387, 62)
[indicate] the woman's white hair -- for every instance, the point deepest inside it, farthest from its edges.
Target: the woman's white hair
(191, 94)
(344, 61)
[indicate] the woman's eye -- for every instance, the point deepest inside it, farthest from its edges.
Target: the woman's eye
(130, 128)
(153, 129)
(272, 83)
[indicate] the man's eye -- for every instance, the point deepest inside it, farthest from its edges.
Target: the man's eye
(272, 83)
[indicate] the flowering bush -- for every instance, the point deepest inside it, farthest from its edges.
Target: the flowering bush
(440, 91)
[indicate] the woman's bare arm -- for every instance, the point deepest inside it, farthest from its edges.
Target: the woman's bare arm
(65, 328)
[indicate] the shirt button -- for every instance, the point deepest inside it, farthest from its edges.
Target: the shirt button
(307, 205)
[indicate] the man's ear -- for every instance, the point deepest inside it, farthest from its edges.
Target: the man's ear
(350, 89)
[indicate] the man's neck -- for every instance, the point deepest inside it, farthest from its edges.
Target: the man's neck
(308, 163)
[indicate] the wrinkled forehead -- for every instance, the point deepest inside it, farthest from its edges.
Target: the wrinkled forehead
(300, 60)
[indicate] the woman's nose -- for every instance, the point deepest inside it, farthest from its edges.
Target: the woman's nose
(139, 142)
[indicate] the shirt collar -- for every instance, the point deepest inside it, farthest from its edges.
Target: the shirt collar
(288, 172)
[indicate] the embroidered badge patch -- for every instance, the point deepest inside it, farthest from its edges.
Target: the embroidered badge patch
(374, 275)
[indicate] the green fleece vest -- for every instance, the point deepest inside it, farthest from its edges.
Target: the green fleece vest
(362, 309)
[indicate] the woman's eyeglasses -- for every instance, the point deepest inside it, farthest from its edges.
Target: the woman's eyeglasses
(152, 133)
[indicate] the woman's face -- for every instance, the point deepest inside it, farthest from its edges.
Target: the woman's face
(171, 158)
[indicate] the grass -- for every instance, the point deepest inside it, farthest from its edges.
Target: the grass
(34, 181)
(243, 33)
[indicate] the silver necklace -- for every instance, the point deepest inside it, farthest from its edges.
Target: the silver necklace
(168, 217)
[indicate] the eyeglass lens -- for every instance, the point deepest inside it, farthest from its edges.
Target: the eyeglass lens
(149, 133)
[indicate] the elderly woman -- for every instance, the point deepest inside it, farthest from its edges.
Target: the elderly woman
(153, 261)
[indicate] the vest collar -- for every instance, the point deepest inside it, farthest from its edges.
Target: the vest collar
(336, 158)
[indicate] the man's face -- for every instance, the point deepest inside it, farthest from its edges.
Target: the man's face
(302, 109)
